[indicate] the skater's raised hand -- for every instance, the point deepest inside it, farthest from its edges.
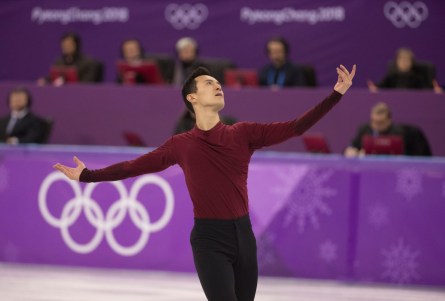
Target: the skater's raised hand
(344, 80)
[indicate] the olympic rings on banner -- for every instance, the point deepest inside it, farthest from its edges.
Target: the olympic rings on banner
(106, 223)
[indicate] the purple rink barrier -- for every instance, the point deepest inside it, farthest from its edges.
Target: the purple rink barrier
(97, 115)
(323, 217)
(322, 33)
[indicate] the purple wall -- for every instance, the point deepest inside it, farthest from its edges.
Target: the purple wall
(321, 33)
(323, 217)
(88, 114)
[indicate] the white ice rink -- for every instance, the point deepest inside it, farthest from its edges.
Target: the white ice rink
(49, 283)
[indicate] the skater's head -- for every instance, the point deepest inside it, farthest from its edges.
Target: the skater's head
(201, 91)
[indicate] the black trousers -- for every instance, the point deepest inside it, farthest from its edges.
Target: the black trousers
(225, 258)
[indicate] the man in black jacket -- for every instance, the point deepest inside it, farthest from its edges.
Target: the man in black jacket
(280, 72)
(21, 125)
(380, 124)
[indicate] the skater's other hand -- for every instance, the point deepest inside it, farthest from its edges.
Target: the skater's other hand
(70, 172)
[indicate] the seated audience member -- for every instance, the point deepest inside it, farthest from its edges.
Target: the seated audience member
(280, 72)
(135, 68)
(87, 69)
(407, 73)
(132, 53)
(21, 125)
(187, 59)
(415, 142)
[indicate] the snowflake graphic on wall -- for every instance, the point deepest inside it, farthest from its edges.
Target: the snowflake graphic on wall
(378, 215)
(4, 177)
(328, 251)
(409, 183)
(266, 254)
(400, 263)
(307, 200)
(288, 177)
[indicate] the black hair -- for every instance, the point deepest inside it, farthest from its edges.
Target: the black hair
(141, 49)
(21, 90)
(77, 41)
(190, 85)
(280, 40)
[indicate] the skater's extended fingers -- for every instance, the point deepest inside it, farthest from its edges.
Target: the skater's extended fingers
(78, 162)
(354, 68)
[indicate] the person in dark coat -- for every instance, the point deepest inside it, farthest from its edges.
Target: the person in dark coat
(21, 125)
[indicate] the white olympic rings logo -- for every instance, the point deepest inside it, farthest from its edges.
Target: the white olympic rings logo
(405, 13)
(186, 15)
(105, 224)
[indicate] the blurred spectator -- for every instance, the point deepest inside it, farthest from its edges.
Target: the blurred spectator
(21, 125)
(280, 72)
(415, 142)
(86, 69)
(132, 53)
(187, 59)
(407, 73)
(135, 68)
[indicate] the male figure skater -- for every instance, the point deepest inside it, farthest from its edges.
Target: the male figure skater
(215, 159)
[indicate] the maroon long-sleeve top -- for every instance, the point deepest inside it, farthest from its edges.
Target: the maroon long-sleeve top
(215, 162)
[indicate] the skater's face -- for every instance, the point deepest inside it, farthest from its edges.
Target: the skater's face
(208, 93)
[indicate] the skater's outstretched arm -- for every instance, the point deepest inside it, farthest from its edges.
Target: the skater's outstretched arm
(260, 135)
(155, 161)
